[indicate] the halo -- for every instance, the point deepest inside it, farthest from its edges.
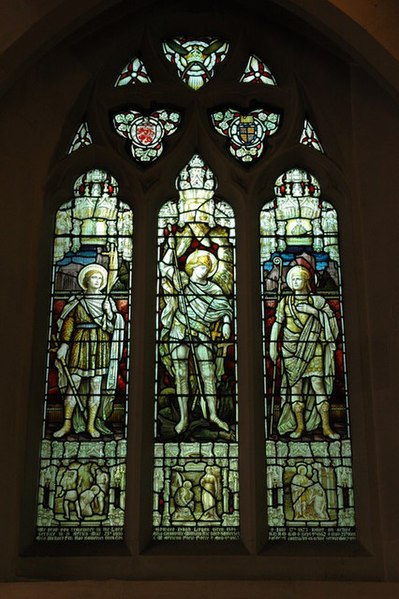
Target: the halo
(295, 268)
(197, 254)
(94, 268)
(302, 465)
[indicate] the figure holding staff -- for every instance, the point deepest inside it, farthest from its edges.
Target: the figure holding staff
(309, 330)
(193, 308)
(90, 335)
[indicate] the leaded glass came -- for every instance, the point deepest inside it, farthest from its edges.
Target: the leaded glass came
(146, 133)
(257, 72)
(83, 448)
(196, 476)
(308, 441)
(309, 137)
(195, 59)
(247, 133)
(196, 449)
(133, 72)
(82, 138)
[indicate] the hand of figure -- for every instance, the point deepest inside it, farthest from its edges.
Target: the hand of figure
(273, 351)
(307, 309)
(171, 241)
(107, 307)
(62, 351)
(226, 330)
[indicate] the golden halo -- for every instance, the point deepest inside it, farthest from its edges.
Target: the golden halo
(92, 268)
(197, 254)
(295, 269)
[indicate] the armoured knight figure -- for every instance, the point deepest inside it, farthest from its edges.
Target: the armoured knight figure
(192, 310)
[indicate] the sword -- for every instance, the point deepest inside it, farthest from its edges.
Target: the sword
(69, 379)
(112, 275)
(277, 260)
(190, 336)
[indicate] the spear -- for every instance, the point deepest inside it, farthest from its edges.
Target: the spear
(190, 336)
(69, 378)
(112, 267)
(112, 278)
(277, 260)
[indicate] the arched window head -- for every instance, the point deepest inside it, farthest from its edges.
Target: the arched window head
(308, 447)
(196, 449)
(83, 448)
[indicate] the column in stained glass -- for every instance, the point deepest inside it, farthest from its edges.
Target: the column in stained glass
(195, 59)
(308, 446)
(196, 448)
(133, 72)
(83, 449)
(257, 72)
(309, 137)
(82, 138)
(247, 133)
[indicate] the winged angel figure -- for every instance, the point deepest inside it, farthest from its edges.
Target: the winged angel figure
(197, 317)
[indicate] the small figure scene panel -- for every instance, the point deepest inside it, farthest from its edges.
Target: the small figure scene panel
(196, 450)
(308, 447)
(83, 450)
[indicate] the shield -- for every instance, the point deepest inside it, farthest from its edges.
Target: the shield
(247, 130)
(145, 133)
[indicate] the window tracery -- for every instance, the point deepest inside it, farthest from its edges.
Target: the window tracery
(196, 448)
(256, 71)
(83, 447)
(196, 419)
(81, 139)
(308, 441)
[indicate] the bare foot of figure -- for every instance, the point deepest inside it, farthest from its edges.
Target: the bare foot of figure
(220, 423)
(181, 426)
(64, 430)
(94, 433)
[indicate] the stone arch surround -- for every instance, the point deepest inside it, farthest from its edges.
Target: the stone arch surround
(365, 28)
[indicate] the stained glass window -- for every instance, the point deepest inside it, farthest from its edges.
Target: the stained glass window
(146, 133)
(308, 446)
(247, 133)
(309, 137)
(133, 72)
(82, 138)
(195, 59)
(196, 449)
(309, 486)
(257, 72)
(83, 448)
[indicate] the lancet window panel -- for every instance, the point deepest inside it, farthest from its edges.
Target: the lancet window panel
(84, 435)
(196, 429)
(308, 438)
